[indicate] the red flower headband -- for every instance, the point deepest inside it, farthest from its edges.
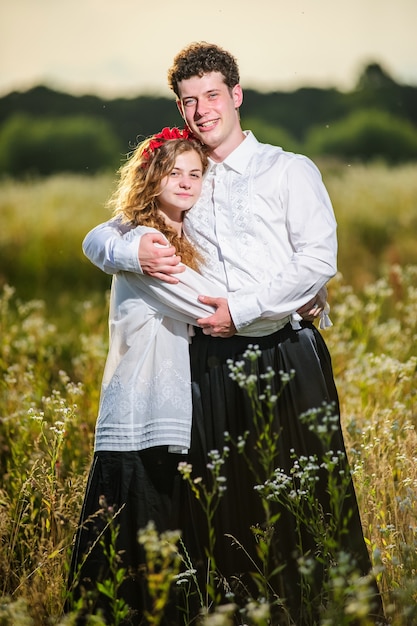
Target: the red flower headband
(165, 135)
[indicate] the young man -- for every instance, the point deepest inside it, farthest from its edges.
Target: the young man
(266, 229)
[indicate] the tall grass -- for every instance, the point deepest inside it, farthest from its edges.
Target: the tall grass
(46, 427)
(48, 400)
(45, 222)
(52, 354)
(376, 209)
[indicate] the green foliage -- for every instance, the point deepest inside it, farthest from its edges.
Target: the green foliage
(374, 76)
(117, 574)
(364, 136)
(295, 111)
(270, 133)
(298, 112)
(43, 146)
(127, 117)
(162, 566)
(209, 498)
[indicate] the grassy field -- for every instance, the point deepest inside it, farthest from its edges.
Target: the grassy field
(53, 325)
(46, 220)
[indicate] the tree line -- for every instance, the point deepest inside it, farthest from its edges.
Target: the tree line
(43, 131)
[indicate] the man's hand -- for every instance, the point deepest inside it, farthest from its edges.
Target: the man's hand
(157, 259)
(220, 324)
(314, 307)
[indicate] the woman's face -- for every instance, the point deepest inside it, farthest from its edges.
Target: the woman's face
(181, 188)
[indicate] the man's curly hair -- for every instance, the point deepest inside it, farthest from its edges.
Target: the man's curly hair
(201, 58)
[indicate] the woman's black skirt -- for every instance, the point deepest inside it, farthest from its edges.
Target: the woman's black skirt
(125, 491)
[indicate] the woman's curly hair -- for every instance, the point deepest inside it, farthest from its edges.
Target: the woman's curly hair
(201, 58)
(135, 199)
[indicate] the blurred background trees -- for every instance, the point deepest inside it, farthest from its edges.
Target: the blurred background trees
(46, 145)
(43, 131)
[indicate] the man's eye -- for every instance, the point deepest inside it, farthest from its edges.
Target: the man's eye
(188, 102)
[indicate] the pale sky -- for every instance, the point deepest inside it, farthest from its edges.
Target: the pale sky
(124, 47)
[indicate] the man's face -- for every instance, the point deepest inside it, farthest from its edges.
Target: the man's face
(210, 109)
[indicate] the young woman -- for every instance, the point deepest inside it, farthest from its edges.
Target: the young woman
(144, 422)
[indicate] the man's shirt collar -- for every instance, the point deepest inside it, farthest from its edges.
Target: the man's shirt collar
(238, 159)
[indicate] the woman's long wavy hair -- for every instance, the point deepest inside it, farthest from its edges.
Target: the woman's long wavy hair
(135, 199)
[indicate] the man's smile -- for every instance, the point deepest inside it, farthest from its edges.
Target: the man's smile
(208, 124)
